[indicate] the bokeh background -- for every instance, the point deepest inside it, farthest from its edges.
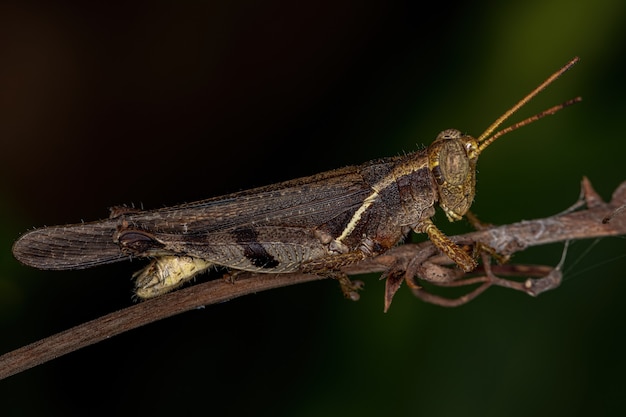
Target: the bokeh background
(159, 103)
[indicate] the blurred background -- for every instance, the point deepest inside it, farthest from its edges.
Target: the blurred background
(158, 103)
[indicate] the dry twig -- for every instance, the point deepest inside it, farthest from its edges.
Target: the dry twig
(400, 264)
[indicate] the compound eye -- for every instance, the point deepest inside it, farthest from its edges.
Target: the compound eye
(454, 163)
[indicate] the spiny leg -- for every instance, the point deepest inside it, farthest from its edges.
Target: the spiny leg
(476, 222)
(443, 243)
(331, 265)
(480, 247)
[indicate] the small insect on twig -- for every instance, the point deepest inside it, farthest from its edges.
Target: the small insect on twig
(316, 225)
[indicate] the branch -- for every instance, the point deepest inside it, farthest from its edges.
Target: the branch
(399, 264)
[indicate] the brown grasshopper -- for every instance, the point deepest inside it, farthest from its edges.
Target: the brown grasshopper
(315, 224)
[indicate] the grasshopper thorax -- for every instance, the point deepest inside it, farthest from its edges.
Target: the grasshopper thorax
(452, 163)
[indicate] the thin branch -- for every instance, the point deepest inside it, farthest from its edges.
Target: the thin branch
(505, 240)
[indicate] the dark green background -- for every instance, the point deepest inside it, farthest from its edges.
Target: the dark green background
(161, 104)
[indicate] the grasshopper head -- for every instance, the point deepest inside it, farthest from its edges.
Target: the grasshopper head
(452, 163)
(452, 156)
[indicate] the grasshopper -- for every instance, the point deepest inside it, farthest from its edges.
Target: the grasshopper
(316, 224)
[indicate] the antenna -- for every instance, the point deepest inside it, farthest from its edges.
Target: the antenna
(485, 137)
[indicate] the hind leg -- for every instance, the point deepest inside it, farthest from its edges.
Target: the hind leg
(330, 266)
